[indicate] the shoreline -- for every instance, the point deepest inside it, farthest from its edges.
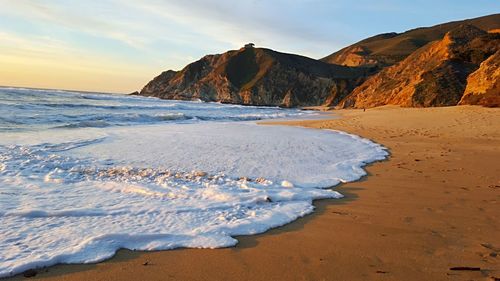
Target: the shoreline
(355, 237)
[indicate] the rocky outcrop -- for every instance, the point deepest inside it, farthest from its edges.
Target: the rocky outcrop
(483, 85)
(355, 56)
(434, 75)
(389, 48)
(256, 76)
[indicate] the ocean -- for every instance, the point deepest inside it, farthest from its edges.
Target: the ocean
(85, 174)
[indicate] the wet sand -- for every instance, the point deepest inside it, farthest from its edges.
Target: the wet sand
(434, 205)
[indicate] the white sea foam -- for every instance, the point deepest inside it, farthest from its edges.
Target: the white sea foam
(76, 195)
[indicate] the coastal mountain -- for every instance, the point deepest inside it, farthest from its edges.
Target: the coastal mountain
(390, 48)
(434, 75)
(447, 64)
(257, 76)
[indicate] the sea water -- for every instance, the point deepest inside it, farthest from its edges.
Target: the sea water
(85, 174)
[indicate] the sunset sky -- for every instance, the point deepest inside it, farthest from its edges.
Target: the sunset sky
(119, 45)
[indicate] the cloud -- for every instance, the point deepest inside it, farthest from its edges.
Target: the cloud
(269, 23)
(74, 16)
(218, 24)
(49, 51)
(144, 37)
(40, 61)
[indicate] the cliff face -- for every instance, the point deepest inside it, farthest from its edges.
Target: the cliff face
(389, 48)
(434, 75)
(483, 85)
(255, 76)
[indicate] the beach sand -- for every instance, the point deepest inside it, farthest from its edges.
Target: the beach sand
(434, 205)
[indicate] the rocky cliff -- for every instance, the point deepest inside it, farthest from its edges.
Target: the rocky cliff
(434, 75)
(256, 76)
(447, 64)
(483, 85)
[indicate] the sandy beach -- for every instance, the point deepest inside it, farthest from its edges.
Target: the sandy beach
(432, 207)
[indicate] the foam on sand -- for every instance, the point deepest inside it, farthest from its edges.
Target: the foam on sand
(77, 195)
(165, 186)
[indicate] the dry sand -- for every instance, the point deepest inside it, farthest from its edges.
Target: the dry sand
(434, 205)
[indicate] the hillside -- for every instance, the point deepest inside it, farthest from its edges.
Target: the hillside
(434, 75)
(257, 76)
(447, 64)
(389, 48)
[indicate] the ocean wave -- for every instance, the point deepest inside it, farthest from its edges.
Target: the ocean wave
(108, 106)
(6, 120)
(34, 109)
(85, 124)
(59, 213)
(101, 121)
(193, 177)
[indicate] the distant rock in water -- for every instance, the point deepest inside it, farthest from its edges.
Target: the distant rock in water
(434, 75)
(257, 76)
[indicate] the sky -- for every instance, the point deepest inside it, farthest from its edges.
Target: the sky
(119, 45)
